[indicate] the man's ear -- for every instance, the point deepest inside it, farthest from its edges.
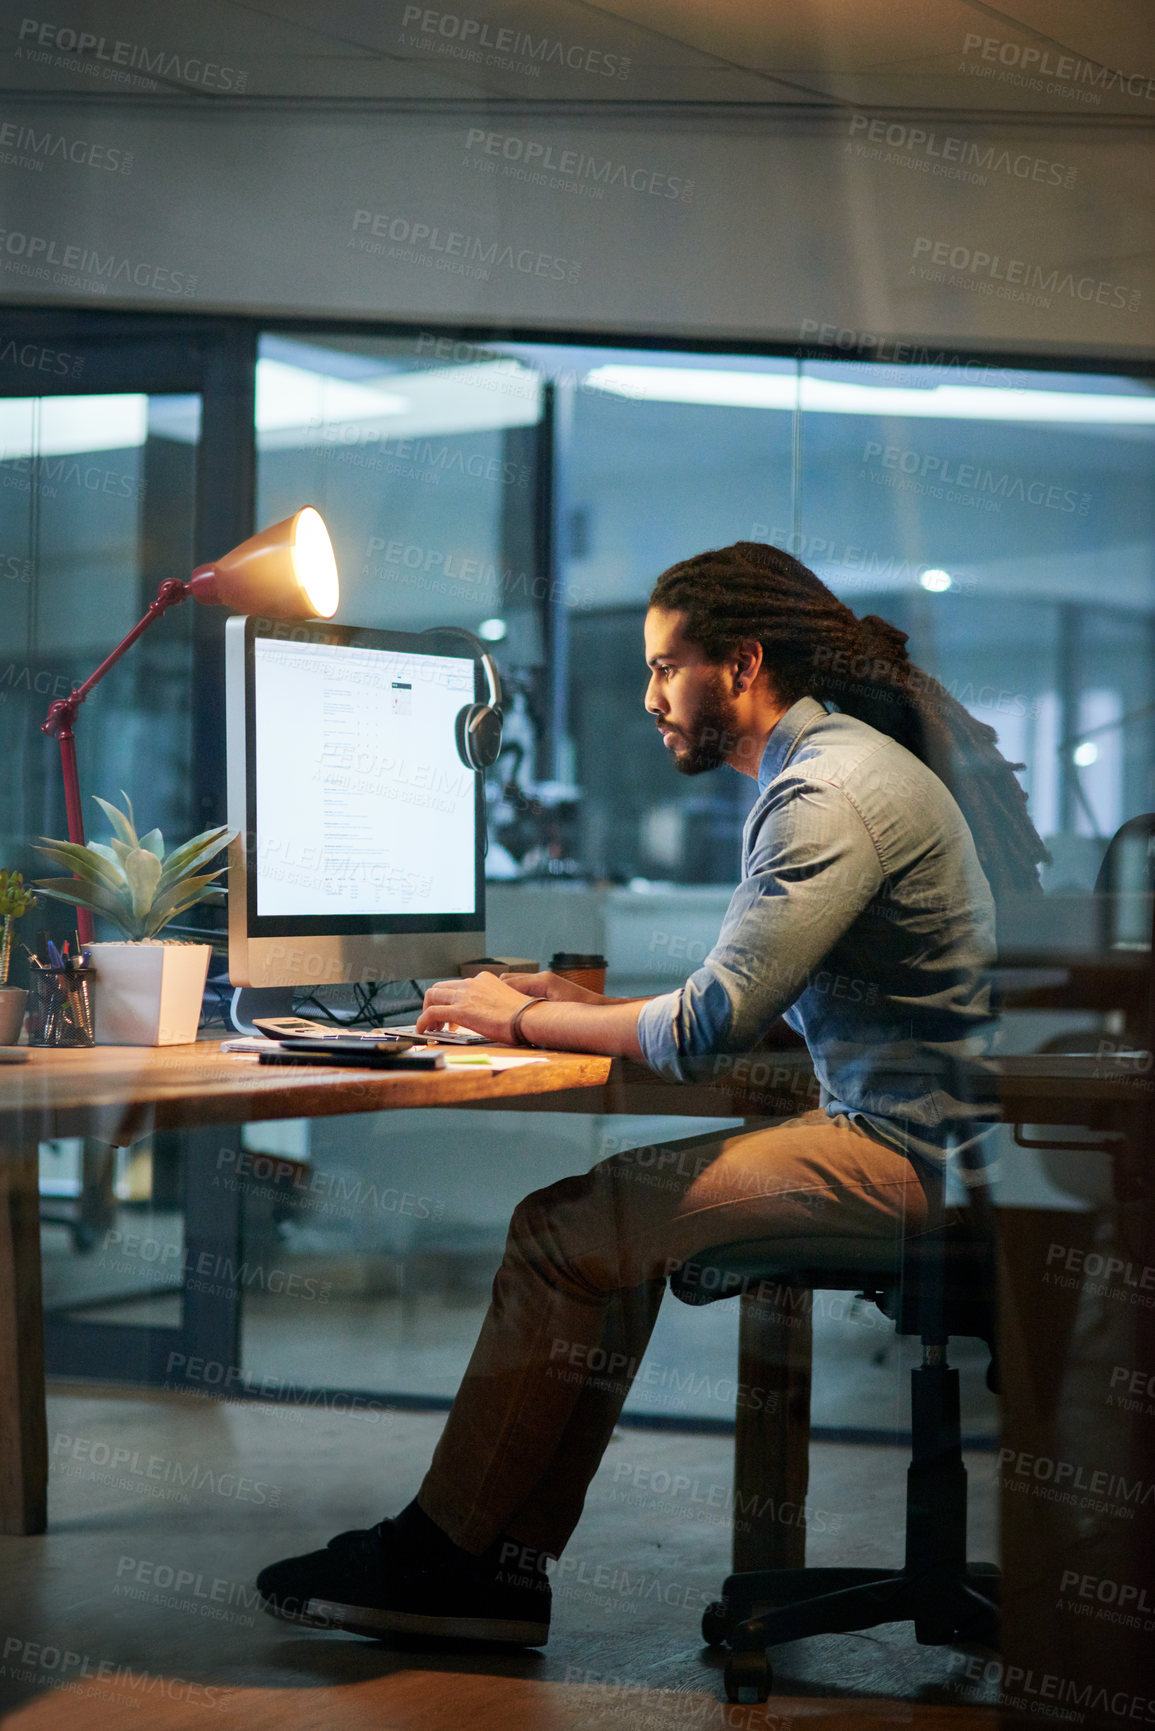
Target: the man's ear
(748, 656)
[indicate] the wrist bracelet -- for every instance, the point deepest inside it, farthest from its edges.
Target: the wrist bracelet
(516, 1034)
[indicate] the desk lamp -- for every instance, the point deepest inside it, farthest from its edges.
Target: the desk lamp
(286, 572)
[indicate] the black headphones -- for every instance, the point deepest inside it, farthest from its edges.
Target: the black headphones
(478, 724)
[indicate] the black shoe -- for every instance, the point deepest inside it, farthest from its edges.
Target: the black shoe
(369, 1582)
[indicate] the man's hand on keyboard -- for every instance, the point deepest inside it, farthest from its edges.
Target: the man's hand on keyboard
(483, 1003)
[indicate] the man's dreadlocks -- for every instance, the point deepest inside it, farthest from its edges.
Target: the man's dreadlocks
(813, 644)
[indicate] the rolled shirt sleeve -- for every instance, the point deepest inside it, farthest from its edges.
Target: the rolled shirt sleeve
(811, 869)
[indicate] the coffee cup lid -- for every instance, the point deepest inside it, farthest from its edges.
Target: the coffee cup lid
(572, 959)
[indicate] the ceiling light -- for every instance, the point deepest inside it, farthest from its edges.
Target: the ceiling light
(66, 426)
(715, 387)
(293, 397)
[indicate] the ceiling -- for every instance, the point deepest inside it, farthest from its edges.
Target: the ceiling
(1094, 65)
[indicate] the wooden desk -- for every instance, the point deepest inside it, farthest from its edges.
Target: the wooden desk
(120, 1093)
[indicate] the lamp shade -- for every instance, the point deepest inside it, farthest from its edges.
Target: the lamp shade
(286, 572)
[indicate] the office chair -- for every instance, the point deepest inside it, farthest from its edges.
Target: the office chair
(934, 1285)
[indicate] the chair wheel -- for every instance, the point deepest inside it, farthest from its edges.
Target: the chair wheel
(715, 1624)
(748, 1676)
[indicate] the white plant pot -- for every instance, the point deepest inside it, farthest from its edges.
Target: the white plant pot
(149, 993)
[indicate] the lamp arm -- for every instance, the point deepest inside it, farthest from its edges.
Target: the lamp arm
(58, 723)
(62, 713)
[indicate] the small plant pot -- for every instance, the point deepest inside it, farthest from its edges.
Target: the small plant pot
(150, 993)
(12, 1002)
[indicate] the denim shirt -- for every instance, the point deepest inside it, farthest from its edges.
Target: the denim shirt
(863, 915)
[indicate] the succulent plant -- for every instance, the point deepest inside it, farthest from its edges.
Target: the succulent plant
(130, 879)
(14, 901)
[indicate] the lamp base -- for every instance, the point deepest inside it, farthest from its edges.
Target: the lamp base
(249, 1001)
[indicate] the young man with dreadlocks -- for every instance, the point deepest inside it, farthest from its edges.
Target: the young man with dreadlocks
(885, 831)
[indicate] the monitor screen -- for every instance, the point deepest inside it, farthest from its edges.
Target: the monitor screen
(360, 815)
(363, 803)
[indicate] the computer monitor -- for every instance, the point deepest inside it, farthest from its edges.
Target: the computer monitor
(359, 853)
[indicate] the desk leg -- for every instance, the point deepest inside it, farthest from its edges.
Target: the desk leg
(772, 1439)
(23, 1425)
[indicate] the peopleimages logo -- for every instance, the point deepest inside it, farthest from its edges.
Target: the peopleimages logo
(478, 41)
(869, 345)
(954, 158)
(134, 56)
(424, 243)
(539, 163)
(858, 567)
(1047, 1694)
(1014, 278)
(1072, 1482)
(151, 1475)
(977, 484)
(48, 474)
(1032, 67)
(179, 1589)
(39, 255)
(66, 1671)
(37, 358)
(24, 147)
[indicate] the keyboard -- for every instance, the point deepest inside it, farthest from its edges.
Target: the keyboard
(300, 1028)
(449, 1037)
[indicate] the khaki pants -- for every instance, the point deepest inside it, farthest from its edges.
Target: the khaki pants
(577, 1294)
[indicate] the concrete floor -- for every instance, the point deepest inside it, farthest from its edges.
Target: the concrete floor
(136, 1608)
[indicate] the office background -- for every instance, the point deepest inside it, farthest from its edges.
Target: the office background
(528, 316)
(527, 346)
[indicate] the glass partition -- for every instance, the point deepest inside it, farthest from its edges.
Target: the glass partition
(422, 464)
(97, 507)
(1007, 523)
(1003, 517)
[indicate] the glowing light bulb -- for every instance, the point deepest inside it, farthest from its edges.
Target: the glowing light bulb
(314, 563)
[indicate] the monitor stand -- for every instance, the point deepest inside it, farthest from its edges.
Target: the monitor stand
(249, 1001)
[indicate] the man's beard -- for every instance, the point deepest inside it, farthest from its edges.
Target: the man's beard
(713, 733)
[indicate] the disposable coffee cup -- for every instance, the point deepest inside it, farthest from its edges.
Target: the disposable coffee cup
(498, 965)
(583, 970)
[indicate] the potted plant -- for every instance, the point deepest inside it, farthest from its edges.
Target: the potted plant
(148, 989)
(14, 901)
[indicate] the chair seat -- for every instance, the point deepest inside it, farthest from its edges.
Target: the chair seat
(874, 1267)
(830, 1263)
